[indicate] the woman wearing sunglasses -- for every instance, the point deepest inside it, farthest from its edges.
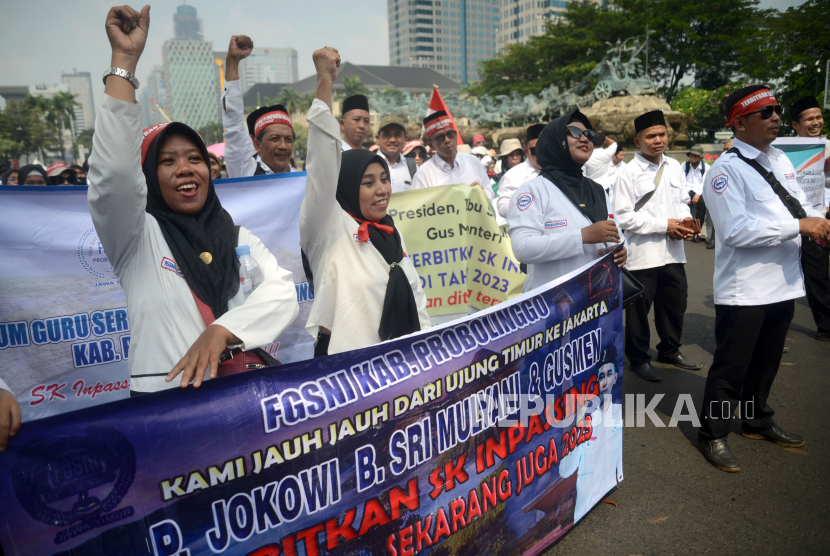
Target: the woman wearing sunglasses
(559, 221)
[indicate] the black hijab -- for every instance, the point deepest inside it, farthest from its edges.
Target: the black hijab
(32, 169)
(210, 231)
(400, 313)
(554, 157)
(8, 173)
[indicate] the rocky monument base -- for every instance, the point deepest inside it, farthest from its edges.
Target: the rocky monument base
(615, 116)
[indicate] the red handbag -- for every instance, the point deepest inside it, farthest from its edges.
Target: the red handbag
(234, 359)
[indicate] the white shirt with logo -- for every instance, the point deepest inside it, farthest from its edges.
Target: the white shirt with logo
(757, 244)
(510, 182)
(648, 244)
(467, 169)
(164, 318)
(545, 231)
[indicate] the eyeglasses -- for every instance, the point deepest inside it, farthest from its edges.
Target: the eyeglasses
(64, 180)
(451, 135)
(532, 151)
(576, 132)
(766, 111)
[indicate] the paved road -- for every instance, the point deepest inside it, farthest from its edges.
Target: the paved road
(673, 502)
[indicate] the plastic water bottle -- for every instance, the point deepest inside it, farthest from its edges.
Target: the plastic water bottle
(250, 275)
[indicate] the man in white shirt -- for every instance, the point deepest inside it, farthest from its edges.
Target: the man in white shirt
(266, 144)
(520, 173)
(652, 207)
(807, 121)
(355, 122)
(695, 169)
(448, 166)
(757, 274)
(597, 166)
(614, 168)
(391, 139)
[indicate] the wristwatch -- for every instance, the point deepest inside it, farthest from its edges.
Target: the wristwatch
(121, 73)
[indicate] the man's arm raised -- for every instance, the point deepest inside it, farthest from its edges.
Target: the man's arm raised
(239, 148)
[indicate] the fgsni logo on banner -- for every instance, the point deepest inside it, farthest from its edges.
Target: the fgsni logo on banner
(94, 260)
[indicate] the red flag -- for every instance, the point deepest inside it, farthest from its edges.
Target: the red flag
(436, 104)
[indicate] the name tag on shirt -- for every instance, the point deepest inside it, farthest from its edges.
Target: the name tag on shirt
(357, 239)
(789, 176)
(170, 265)
(553, 224)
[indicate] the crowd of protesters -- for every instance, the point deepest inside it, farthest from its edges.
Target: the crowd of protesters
(562, 191)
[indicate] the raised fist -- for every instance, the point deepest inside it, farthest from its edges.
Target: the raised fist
(326, 61)
(127, 32)
(240, 47)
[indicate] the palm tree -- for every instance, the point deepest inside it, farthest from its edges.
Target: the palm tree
(291, 99)
(352, 86)
(212, 133)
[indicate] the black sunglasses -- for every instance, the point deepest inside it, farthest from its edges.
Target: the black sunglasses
(576, 133)
(766, 111)
(532, 151)
(451, 135)
(63, 180)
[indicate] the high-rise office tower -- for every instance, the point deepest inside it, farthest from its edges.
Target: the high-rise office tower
(522, 19)
(191, 76)
(451, 37)
(80, 85)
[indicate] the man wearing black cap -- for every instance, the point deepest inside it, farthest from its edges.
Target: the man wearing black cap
(266, 144)
(391, 139)
(651, 202)
(759, 211)
(520, 173)
(355, 122)
(695, 170)
(450, 166)
(807, 121)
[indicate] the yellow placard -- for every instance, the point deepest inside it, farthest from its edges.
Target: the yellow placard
(462, 255)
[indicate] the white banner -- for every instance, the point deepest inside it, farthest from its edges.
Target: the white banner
(64, 326)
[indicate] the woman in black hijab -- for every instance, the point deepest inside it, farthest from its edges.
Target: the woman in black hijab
(32, 174)
(366, 290)
(561, 220)
(169, 240)
(10, 176)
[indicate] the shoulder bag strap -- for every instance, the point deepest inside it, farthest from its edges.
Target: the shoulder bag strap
(792, 204)
(647, 197)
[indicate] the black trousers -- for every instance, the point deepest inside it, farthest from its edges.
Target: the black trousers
(816, 267)
(665, 288)
(749, 344)
(698, 210)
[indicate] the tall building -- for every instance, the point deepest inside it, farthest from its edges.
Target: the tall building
(187, 25)
(451, 37)
(522, 19)
(154, 99)
(80, 85)
(265, 65)
(191, 76)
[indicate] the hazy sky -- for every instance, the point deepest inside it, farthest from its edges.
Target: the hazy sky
(42, 39)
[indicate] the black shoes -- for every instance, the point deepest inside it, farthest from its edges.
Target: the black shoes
(646, 372)
(696, 238)
(823, 336)
(710, 245)
(678, 360)
(718, 453)
(773, 434)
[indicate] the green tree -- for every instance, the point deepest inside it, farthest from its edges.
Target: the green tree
(706, 108)
(24, 129)
(62, 115)
(352, 86)
(790, 51)
(686, 39)
(212, 133)
(300, 141)
(291, 99)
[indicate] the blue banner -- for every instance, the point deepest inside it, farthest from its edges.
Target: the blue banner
(490, 434)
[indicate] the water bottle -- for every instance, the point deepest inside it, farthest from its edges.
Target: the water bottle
(250, 275)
